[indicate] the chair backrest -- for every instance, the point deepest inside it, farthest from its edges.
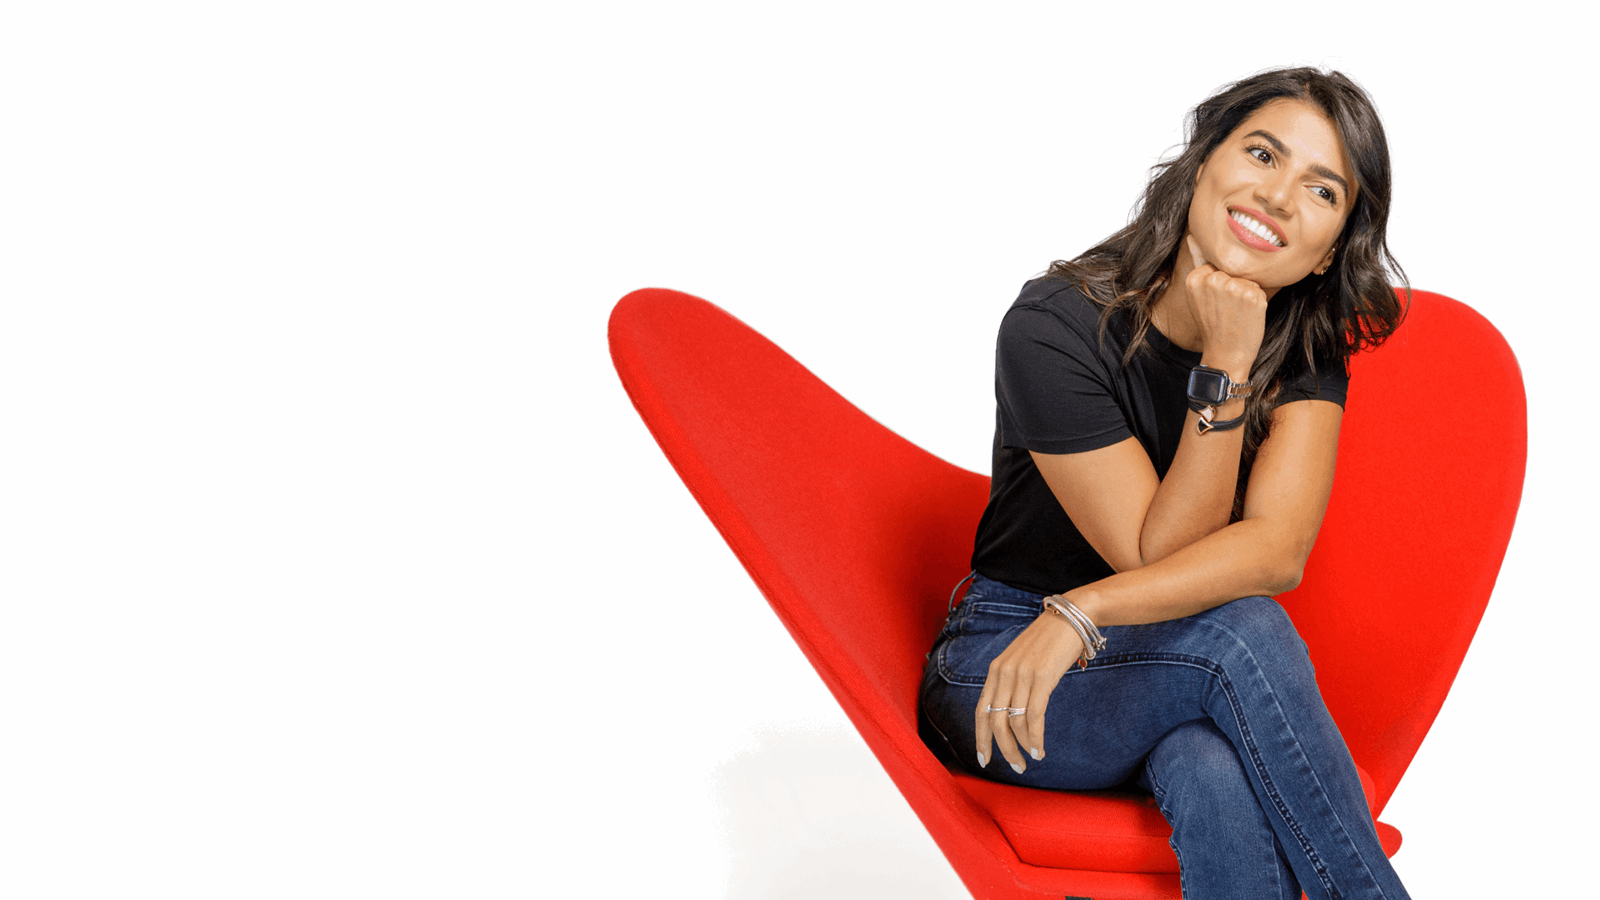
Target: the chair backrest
(1431, 458)
(853, 533)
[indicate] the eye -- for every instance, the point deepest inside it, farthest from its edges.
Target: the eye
(1261, 154)
(1326, 194)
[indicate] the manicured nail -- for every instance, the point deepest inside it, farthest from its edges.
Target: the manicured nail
(1017, 767)
(983, 761)
(1034, 752)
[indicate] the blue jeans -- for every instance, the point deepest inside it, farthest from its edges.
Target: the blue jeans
(1217, 714)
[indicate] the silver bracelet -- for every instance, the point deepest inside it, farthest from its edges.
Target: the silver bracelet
(1088, 644)
(1097, 640)
(1093, 637)
(1093, 641)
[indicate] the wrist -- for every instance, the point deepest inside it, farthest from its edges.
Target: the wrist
(1237, 365)
(1229, 409)
(1217, 396)
(1059, 625)
(1092, 603)
(1090, 641)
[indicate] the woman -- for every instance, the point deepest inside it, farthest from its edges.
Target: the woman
(1169, 408)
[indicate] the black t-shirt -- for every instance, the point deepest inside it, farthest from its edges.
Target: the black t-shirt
(1061, 387)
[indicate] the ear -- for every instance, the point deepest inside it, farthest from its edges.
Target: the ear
(1322, 267)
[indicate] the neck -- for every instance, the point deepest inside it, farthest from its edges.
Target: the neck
(1173, 313)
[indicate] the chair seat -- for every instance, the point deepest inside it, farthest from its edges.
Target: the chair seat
(1096, 831)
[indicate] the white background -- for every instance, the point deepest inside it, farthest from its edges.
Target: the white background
(334, 561)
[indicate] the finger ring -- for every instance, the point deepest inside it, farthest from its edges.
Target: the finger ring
(1015, 711)
(994, 709)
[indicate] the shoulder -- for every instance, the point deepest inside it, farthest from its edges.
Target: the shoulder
(1057, 298)
(1056, 377)
(1052, 313)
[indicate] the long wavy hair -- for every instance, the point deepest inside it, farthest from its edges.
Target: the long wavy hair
(1322, 320)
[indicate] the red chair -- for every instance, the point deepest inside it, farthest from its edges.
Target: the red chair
(856, 536)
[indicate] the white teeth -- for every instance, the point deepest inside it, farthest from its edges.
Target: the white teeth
(1256, 228)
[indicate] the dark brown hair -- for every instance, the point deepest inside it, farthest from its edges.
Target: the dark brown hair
(1322, 320)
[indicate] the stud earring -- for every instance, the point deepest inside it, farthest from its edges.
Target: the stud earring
(1326, 263)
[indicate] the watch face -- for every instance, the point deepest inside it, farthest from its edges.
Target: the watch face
(1208, 386)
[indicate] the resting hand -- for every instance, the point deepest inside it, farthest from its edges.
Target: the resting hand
(1231, 313)
(1022, 677)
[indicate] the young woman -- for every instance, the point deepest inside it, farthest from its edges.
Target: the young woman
(1169, 408)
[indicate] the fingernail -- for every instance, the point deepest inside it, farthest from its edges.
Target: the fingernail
(1017, 767)
(1034, 752)
(983, 761)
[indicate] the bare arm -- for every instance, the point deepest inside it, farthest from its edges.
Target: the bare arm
(1128, 515)
(1131, 517)
(1264, 553)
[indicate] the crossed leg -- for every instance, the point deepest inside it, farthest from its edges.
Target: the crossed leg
(1240, 669)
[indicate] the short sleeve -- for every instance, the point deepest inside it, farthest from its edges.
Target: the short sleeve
(1330, 382)
(1054, 385)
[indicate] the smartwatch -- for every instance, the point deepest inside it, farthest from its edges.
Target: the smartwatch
(1210, 388)
(1213, 387)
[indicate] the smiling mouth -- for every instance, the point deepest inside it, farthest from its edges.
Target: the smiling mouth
(1256, 227)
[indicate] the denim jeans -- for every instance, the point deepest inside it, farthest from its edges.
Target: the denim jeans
(1217, 714)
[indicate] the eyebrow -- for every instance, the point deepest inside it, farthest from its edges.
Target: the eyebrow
(1278, 145)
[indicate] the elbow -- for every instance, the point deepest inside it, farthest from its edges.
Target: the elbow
(1289, 566)
(1288, 578)
(1279, 578)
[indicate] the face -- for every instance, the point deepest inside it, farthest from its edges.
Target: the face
(1271, 200)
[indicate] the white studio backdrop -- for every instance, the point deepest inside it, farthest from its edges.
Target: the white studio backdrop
(334, 561)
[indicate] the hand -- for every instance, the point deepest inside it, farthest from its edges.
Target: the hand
(1231, 313)
(1023, 677)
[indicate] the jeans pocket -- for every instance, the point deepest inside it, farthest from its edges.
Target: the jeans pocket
(964, 658)
(988, 618)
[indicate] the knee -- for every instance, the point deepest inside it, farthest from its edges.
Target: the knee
(1196, 766)
(1260, 645)
(1261, 626)
(1201, 783)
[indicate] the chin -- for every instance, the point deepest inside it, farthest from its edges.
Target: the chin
(1269, 277)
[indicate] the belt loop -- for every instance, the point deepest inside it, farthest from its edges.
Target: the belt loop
(951, 607)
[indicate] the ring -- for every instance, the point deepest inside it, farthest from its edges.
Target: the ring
(994, 709)
(1012, 711)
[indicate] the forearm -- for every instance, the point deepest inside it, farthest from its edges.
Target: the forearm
(1248, 558)
(1195, 498)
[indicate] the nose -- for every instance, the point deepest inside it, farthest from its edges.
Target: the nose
(1276, 190)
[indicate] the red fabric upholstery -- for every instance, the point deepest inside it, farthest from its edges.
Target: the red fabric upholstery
(855, 536)
(1431, 458)
(1103, 831)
